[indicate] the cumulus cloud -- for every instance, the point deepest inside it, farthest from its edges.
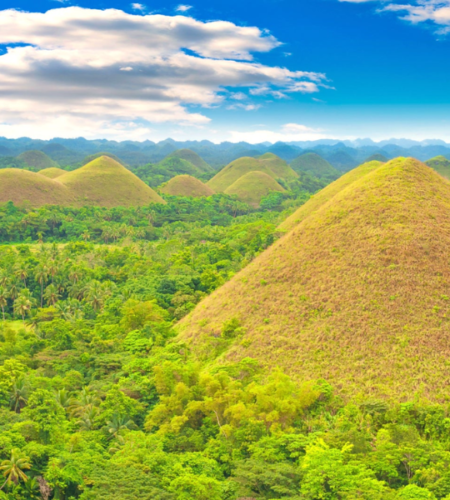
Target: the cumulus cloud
(183, 8)
(287, 133)
(138, 6)
(436, 12)
(92, 72)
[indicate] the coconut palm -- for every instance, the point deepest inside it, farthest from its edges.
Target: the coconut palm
(14, 467)
(3, 300)
(22, 306)
(21, 271)
(51, 295)
(63, 398)
(118, 423)
(41, 276)
(19, 395)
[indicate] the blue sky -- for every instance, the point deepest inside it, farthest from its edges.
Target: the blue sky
(312, 69)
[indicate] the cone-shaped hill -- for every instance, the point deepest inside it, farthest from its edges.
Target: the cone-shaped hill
(186, 185)
(105, 182)
(377, 157)
(441, 165)
(37, 159)
(327, 194)
(269, 163)
(356, 294)
(252, 187)
(192, 157)
(53, 172)
(313, 164)
(21, 186)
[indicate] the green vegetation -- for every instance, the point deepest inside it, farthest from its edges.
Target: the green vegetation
(268, 164)
(310, 368)
(186, 185)
(52, 173)
(37, 159)
(349, 293)
(315, 165)
(377, 157)
(327, 194)
(441, 165)
(251, 188)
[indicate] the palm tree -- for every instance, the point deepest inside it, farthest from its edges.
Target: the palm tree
(4, 278)
(21, 271)
(14, 467)
(41, 276)
(22, 306)
(86, 401)
(3, 300)
(53, 268)
(118, 424)
(51, 295)
(95, 295)
(86, 236)
(19, 395)
(63, 398)
(87, 419)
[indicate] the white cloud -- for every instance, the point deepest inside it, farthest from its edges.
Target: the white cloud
(75, 71)
(436, 12)
(138, 6)
(287, 133)
(183, 8)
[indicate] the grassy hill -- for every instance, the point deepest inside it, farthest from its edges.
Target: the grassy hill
(356, 294)
(186, 185)
(315, 165)
(37, 159)
(53, 172)
(105, 182)
(192, 157)
(326, 194)
(21, 186)
(90, 158)
(441, 165)
(269, 163)
(252, 187)
(377, 157)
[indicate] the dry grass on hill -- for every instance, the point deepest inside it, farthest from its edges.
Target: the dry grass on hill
(37, 159)
(53, 172)
(441, 165)
(357, 293)
(186, 185)
(252, 187)
(269, 164)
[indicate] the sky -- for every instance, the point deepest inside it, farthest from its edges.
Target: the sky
(234, 70)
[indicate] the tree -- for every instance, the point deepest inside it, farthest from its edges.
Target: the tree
(19, 395)
(13, 468)
(41, 276)
(118, 424)
(51, 295)
(22, 306)
(3, 300)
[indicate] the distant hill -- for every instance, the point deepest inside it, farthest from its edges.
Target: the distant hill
(105, 182)
(269, 163)
(53, 172)
(20, 186)
(90, 158)
(186, 185)
(327, 194)
(194, 158)
(62, 155)
(37, 159)
(314, 165)
(441, 165)
(341, 160)
(356, 290)
(252, 187)
(377, 157)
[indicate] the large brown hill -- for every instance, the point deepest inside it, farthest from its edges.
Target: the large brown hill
(358, 293)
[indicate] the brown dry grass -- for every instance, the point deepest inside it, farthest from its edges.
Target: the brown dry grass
(53, 172)
(252, 187)
(357, 293)
(186, 185)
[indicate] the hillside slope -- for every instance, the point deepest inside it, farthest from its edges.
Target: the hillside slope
(269, 163)
(192, 157)
(37, 159)
(21, 186)
(327, 194)
(53, 172)
(186, 185)
(441, 165)
(104, 182)
(315, 165)
(252, 187)
(357, 293)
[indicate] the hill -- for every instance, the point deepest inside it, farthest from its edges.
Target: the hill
(315, 165)
(192, 157)
(326, 194)
(377, 157)
(37, 159)
(269, 163)
(356, 294)
(441, 165)
(105, 182)
(252, 187)
(53, 172)
(21, 186)
(186, 185)
(90, 158)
